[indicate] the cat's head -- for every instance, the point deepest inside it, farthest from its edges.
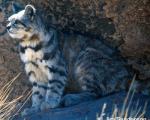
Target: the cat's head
(23, 24)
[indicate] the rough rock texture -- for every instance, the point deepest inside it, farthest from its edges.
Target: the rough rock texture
(132, 22)
(83, 16)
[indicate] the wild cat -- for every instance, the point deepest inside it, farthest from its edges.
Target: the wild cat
(92, 68)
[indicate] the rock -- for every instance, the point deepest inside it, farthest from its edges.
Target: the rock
(131, 19)
(76, 15)
(89, 110)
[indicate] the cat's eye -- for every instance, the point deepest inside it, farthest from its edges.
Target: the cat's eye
(16, 22)
(19, 23)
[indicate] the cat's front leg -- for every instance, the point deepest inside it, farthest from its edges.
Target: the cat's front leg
(53, 94)
(38, 96)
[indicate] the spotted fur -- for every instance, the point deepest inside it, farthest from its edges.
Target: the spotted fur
(91, 67)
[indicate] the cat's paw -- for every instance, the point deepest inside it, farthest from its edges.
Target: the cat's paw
(29, 111)
(44, 106)
(74, 99)
(70, 99)
(51, 103)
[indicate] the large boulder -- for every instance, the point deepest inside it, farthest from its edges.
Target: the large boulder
(132, 19)
(90, 110)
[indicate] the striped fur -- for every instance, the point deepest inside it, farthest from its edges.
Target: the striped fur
(92, 68)
(40, 53)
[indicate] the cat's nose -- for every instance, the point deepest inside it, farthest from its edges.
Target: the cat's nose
(8, 27)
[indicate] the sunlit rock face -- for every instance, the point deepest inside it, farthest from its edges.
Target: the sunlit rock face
(131, 19)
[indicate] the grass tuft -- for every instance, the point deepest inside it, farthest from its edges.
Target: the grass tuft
(127, 111)
(7, 107)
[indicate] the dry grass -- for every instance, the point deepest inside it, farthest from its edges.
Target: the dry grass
(127, 111)
(7, 107)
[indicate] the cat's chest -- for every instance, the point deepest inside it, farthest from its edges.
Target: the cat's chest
(34, 62)
(31, 55)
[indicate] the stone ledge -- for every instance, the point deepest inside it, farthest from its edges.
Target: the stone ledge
(89, 110)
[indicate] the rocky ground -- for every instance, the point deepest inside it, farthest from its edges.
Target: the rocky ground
(90, 110)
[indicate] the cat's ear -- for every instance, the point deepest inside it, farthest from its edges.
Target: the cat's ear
(16, 7)
(30, 11)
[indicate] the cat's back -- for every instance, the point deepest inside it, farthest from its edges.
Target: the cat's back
(85, 56)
